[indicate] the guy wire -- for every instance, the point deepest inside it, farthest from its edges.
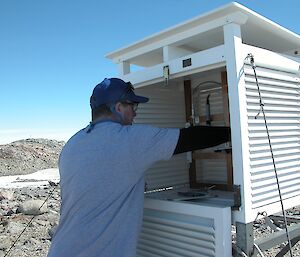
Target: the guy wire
(30, 221)
(251, 57)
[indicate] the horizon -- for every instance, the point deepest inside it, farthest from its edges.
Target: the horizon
(7, 137)
(53, 54)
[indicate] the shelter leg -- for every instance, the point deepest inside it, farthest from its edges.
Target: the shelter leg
(244, 237)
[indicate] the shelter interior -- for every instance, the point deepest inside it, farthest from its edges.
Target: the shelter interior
(209, 171)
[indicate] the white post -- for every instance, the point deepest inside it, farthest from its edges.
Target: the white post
(123, 68)
(238, 117)
(166, 54)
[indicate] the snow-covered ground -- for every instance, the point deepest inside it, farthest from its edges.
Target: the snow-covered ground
(40, 178)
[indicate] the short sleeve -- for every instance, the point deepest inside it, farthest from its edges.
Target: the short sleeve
(151, 144)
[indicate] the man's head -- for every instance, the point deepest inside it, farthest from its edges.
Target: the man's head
(115, 97)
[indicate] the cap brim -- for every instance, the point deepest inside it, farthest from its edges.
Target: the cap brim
(137, 99)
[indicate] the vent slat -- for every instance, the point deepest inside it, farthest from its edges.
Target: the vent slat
(280, 93)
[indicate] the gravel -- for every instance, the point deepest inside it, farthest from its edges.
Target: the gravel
(17, 213)
(21, 206)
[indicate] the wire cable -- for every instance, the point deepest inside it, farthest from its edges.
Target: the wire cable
(259, 251)
(239, 251)
(261, 110)
(32, 218)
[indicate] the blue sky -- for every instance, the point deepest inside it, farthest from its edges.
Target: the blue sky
(52, 53)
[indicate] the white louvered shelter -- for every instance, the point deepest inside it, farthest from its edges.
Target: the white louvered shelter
(203, 62)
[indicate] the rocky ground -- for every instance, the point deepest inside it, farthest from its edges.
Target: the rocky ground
(262, 229)
(20, 208)
(27, 156)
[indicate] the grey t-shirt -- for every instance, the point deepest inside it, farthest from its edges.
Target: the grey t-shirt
(102, 185)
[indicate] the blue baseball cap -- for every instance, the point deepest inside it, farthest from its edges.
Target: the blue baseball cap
(113, 90)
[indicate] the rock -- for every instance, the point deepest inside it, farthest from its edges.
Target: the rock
(33, 207)
(3, 221)
(42, 222)
(53, 219)
(5, 243)
(9, 212)
(6, 194)
(15, 227)
(32, 241)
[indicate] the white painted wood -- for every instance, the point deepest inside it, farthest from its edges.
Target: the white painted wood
(123, 68)
(164, 109)
(269, 206)
(215, 100)
(200, 60)
(282, 82)
(182, 229)
(280, 90)
(173, 52)
(277, 86)
(211, 171)
(257, 31)
(277, 153)
(260, 181)
(269, 169)
(238, 117)
(141, 48)
(274, 61)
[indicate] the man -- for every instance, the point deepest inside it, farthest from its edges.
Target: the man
(102, 173)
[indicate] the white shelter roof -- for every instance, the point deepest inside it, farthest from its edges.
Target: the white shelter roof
(206, 31)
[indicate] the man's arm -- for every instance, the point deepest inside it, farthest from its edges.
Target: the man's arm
(199, 137)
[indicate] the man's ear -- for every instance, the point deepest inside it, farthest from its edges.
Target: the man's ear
(118, 107)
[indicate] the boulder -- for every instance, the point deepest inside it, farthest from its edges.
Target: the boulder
(33, 207)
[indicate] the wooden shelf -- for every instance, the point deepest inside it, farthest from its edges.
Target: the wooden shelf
(209, 156)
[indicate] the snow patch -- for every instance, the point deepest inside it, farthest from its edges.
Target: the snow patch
(40, 178)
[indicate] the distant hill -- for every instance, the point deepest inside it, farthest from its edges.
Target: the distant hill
(29, 155)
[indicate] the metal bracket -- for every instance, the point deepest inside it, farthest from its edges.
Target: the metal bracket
(236, 197)
(166, 74)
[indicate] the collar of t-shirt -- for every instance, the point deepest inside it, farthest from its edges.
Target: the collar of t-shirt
(92, 124)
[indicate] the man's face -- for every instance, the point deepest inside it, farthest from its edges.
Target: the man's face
(128, 112)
